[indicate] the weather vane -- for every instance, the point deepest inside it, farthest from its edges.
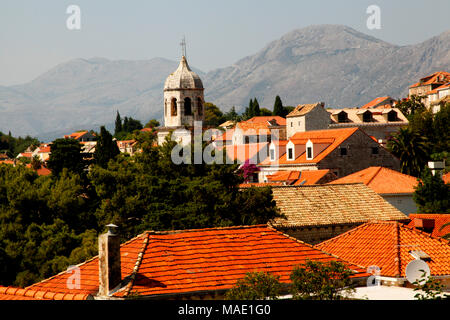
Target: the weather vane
(183, 46)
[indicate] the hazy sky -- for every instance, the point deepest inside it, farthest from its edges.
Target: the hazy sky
(34, 36)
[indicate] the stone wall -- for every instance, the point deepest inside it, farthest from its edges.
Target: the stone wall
(316, 234)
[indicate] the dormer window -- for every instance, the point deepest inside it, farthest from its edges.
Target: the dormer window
(343, 151)
(342, 117)
(392, 116)
(367, 116)
(309, 150)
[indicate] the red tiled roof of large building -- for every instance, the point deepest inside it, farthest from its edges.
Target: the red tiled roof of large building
(387, 244)
(375, 103)
(381, 180)
(12, 293)
(76, 135)
(307, 177)
(199, 260)
(431, 222)
(433, 78)
(324, 140)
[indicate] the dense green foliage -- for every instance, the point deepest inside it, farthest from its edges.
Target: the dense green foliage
(13, 146)
(213, 115)
(426, 138)
(432, 195)
(124, 128)
(256, 286)
(48, 223)
(321, 281)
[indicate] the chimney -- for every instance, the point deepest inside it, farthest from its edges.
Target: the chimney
(109, 260)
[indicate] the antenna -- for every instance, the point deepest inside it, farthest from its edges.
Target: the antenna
(415, 271)
(183, 46)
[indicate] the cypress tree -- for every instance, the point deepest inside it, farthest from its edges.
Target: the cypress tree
(278, 109)
(256, 109)
(118, 127)
(106, 148)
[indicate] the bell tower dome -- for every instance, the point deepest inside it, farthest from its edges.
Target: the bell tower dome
(183, 97)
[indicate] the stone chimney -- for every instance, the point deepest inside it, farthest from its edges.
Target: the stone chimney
(109, 260)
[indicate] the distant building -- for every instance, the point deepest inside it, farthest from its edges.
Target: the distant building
(437, 225)
(434, 89)
(81, 136)
(395, 187)
(307, 117)
(127, 146)
(342, 151)
(380, 103)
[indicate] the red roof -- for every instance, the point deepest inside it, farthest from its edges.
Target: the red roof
(438, 221)
(376, 102)
(307, 177)
(11, 293)
(382, 180)
(433, 78)
(446, 177)
(259, 184)
(190, 261)
(264, 119)
(76, 135)
(387, 244)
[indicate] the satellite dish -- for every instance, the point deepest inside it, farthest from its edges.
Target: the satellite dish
(415, 269)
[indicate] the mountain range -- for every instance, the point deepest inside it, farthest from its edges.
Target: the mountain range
(331, 63)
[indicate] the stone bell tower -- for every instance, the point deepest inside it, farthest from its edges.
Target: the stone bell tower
(183, 100)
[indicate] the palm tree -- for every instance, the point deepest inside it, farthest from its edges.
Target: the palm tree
(412, 150)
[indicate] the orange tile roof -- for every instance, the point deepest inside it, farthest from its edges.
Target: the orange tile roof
(264, 119)
(307, 177)
(446, 177)
(26, 154)
(199, 260)
(328, 140)
(433, 78)
(44, 149)
(387, 244)
(375, 102)
(381, 180)
(11, 293)
(439, 220)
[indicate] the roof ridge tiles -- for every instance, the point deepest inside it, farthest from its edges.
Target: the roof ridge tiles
(140, 256)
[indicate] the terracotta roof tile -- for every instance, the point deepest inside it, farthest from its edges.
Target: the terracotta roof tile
(11, 293)
(387, 245)
(177, 262)
(381, 180)
(433, 78)
(303, 109)
(330, 205)
(439, 220)
(308, 177)
(446, 177)
(375, 102)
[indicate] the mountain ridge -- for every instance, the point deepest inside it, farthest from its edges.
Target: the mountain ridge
(331, 63)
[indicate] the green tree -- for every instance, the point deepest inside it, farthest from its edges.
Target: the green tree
(278, 109)
(265, 112)
(153, 123)
(66, 153)
(232, 115)
(106, 148)
(321, 281)
(432, 195)
(429, 288)
(412, 150)
(118, 126)
(256, 286)
(213, 115)
(256, 109)
(411, 106)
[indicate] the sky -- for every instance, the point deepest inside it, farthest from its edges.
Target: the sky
(34, 36)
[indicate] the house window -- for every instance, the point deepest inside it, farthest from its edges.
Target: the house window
(292, 124)
(374, 150)
(272, 155)
(309, 153)
(343, 151)
(290, 154)
(246, 139)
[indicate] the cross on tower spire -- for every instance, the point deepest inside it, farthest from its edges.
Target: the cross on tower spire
(183, 46)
